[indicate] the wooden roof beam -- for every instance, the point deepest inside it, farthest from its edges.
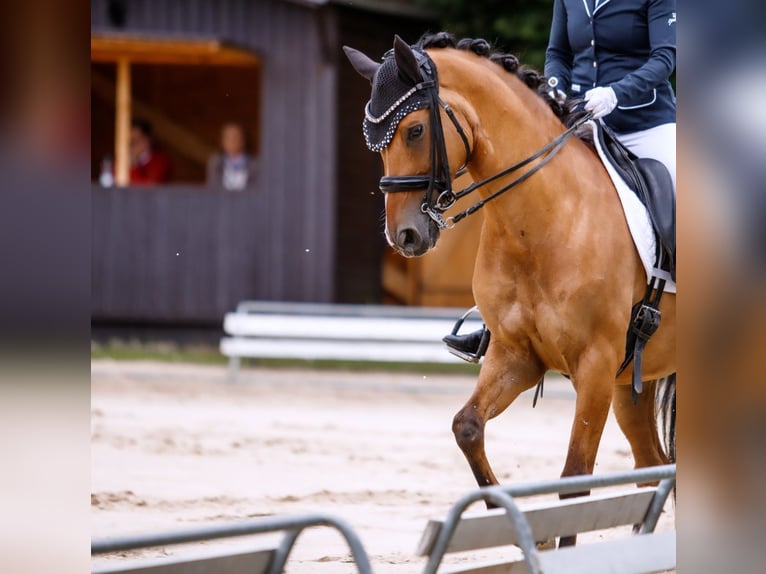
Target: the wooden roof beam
(151, 50)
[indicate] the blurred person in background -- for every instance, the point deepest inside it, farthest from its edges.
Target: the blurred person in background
(148, 165)
(234, 168)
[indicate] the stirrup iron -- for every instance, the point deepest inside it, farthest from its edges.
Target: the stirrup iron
(483, 344)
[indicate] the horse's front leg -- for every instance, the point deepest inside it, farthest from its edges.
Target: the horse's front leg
(594, 383)
(504, 375)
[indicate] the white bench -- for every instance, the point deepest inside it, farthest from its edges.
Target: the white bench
(265, 559)
(259, 329)
(643, 552)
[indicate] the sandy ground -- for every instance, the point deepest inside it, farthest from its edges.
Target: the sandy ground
(176, 446)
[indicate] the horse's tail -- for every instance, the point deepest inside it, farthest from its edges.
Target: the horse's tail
(666, 410)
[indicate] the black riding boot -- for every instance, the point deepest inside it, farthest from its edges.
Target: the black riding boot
(468, 343)
(469, 347)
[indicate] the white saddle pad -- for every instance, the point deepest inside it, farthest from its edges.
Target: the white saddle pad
(635, 214)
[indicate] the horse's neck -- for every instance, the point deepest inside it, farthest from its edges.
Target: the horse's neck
(507, 136)
(509, 122)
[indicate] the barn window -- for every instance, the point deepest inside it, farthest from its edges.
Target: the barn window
(186, 88)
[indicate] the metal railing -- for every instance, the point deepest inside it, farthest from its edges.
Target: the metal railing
(501, 496)
(292, 526)
(504, 497)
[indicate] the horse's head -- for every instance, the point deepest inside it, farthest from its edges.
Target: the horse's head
(403, 121)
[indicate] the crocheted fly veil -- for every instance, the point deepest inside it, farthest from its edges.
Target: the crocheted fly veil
(406, 81)
(396, 92)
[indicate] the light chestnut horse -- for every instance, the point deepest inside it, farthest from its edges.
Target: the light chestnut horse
(556, 271)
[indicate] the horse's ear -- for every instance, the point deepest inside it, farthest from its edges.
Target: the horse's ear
(362, 63)
(406, 61)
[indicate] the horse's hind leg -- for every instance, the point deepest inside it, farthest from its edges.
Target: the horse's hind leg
(504, 376)
(639, 424)
(594, 382)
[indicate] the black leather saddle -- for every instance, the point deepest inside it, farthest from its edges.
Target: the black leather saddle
(652, 183)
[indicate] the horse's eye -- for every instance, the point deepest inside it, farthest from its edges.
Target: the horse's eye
(415, 132)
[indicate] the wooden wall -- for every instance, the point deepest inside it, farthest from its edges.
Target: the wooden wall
(295, 206)
(182, 255)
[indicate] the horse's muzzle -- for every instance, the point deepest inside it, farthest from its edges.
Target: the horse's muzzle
(410, 243)
(413, 241)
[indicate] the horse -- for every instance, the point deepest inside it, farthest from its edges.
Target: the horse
(556, 273)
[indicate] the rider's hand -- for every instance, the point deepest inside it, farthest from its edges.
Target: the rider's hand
(601, 101)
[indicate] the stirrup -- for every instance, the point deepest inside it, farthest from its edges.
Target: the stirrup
(483, 343)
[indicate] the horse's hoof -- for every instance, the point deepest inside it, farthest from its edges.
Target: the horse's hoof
(549, 544)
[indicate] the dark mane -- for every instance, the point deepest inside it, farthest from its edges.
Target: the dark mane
(510, 63)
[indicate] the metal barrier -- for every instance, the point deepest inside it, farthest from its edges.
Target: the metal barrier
(292, 525)
(503, 496)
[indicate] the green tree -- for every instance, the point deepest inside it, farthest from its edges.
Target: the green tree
(517, 26)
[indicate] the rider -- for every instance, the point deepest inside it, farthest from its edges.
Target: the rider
(618, 57)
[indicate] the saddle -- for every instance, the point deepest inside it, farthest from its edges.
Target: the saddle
(650, 180)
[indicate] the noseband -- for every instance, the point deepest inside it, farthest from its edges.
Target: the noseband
(439, 196)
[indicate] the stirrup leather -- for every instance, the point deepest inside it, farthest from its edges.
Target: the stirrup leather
(644, 321)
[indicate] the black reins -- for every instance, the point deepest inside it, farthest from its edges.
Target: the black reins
(549, 151)
(439, 196)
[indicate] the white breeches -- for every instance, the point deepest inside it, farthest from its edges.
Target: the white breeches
(658, 143)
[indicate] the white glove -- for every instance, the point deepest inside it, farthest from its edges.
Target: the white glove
(601, 101)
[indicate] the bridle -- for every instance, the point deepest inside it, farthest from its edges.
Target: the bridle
(438, 184)
(439, 196)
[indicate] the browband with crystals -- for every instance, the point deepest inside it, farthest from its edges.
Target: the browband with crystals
(372, 119)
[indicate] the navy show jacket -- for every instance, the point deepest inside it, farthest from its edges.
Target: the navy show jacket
(629, 45)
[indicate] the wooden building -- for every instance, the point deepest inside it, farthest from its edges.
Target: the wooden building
(184, 253)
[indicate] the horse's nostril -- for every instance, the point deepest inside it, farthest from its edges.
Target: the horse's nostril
(409, 238)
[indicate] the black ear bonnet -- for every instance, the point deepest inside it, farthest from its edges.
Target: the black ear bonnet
(396, 92)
